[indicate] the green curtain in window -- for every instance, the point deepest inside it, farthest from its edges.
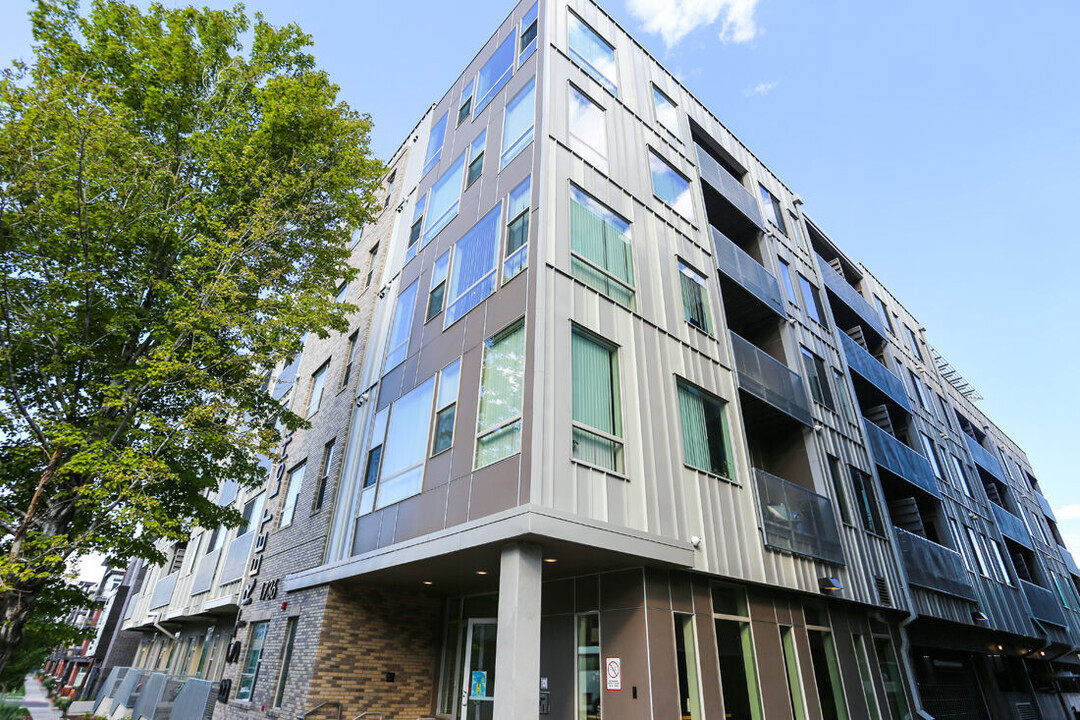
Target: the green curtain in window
(594, 393)
(694, 302)
(695, 430)
(603, 243)
(501, 385)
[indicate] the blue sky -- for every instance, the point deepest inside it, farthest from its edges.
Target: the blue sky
(934, 141)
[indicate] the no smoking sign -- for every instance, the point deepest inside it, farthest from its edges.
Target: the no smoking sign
(613, 672)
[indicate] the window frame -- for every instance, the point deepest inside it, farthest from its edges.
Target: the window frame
(521, 195)
(615, 438)
(723, 443)
(292, 494)
(659, 97)
(502, 424)
(576, 256)
(609, 84)
(524, 138)
(690, 273)
(815, 368)
(596, 156)
(656, 158)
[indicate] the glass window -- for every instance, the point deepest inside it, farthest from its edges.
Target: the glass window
(930, 450)
(518, 123)
(884, 314)
(350, 358)
(249, 672)
(704, 431)
(318, 382)
(812, 297)
(372, 254)
(791, 668)
(444, 199)
(785, 270)
(502, 378)
(891, 677)
(406, 445)
(517, 229)
(913, 342)
(796, 230)
(597, 420)
(286, 659)
(324, 476)
(400, 328)
(594, 54)
(252, 514)
(476, 158)
(435, 144)
(446, 408)
(687, 667)
(666, 114)
(837, 477)
(495, 73)
(979, 555)
(296, 482)
(845, 397)
(773, 211)
(527, 44)
(921, 395)
(827, 675)
(958, 542)
(588, 666)
(465, 108)
(671, 186)
(472, 272)
(588, 132)
(817, 379)
(600, 254)
(965, 485)
(695, 297)
(735, 648)
(374, 460)
(437, 294)
(999, 557)
(866, 501)
(863, 661)
(342, 293)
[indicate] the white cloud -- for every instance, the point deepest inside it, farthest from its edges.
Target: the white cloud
(675, 19)
(1068, 512)
(761, 88)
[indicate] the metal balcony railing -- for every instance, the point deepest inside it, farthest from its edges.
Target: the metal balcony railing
(770, 380)
(851, 297)
(797, 520)
(737, 264)
(932, 566)
(724, 183)
(984, 458)
(1043, 603)
(1044, 505)
(236, 558)
(163, 590)
(1011, 526)
(867, 366)
(1069, 561)
(900, 460)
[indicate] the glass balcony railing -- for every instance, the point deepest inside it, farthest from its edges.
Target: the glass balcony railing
(770, 380)
(984, 458)
(900, 460)
(724, 183)
(1070, 562)
(797, 520)
(850, 296)
(1011, 526)
(236, 558)
(1044, 505)
(163, 591)
(1043, 603)
(932, 566)
(736, 264)
(867, 366)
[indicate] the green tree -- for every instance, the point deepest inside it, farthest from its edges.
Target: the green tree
(171, 225)
(46, 630)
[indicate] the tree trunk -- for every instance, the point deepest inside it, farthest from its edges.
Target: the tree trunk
(16, 607)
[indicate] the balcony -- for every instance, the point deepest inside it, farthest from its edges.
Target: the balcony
(1069, 561)
(731, 189)
(900, 460)
(770, 380)
(1011, 526)
(867, 366)
(1043, 603)
(163, 591)
(932, 566)
(864, 313)
(797, 520)
(204, 575)
(984, 458)
(236, 558)
(747, 272)
(1044, 505)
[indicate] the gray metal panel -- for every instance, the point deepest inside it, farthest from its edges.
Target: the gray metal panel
(128, 691)
(770, 380)
(933, 566)
(867, 366)
(1044, 504)
(738, 265)
(194, 701)
(1044, 604)
(108, 688)
(227, 493)
(1069, 561)
(236, 558)
(722, 181)
(149, 696)
(1011, 526)
(797, 520)
(900, 460)
(163, 591)
(984, 458)
(204, 575)
(131, 605)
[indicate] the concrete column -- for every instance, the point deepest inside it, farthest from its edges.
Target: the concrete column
(517, 645)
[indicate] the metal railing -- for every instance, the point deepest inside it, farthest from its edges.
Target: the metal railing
(900, 460)
(984, 458)
(933, 566)
(798, 520)
(867, 366)
(851, 297)
(770, 380)
(320, 706)
(748, 273)
(1011, 526)
(724, 183)
(1044, 605)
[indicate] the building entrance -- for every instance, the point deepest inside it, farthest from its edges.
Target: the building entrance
(478, 683)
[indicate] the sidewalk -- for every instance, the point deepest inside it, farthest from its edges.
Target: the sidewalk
(37, 701)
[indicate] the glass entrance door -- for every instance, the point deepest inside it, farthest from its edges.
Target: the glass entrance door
(478, 684)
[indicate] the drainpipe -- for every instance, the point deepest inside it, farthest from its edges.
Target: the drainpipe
(157, 626)
(905, 655)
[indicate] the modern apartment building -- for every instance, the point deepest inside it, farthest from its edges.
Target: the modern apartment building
(618, 431)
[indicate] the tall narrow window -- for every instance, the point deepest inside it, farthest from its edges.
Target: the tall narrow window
(342, 293)
(846, 405)
(817, 379)
(402, 473)
(597, 418)
(919, 392)
(472, 272)
(594, 54)
(671, 186)
(958, 542)
(931, 455)
(884, 314)
(324, 476)
(812, 297)
(785, 270)
(517, 230)
(704, 431)
(588, 666)
(435, 144)
(863, 660)
(446, 408)
(249, 671)
(837, 477)
(398, 345)
(588, 133)
(791, 668)
(518, 123)
(666, 114)
(527, 44)
(687, 667)
(913, 342)
(416, 228)
(476, 158)
(866, 500)
(796, 230)
(695, 297)
(350, 358)
(773, 211)
(980, 557)
(891, 676)
(600, 254)
(445, 198)
(372, 253)
(827, 671)
(286, 660)
(735, 647)
(502, 374)
(495, 73)
(437, 295)
(465, 108)
(373, 464)
(965, 483)
(318, 382)
(296, 482)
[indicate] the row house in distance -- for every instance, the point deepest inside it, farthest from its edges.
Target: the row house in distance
(623, 433)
